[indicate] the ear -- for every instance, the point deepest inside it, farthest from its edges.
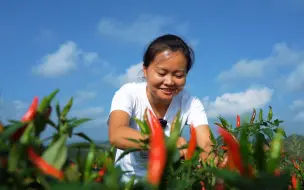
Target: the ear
(145, 71)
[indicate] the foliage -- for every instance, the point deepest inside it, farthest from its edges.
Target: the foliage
(256, 159)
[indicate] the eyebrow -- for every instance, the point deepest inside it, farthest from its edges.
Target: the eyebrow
(179, 70)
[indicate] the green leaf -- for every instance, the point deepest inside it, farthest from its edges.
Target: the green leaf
(144, 128)
(67, 108)
(14, 157)
(268, 132)
(127, 151)
(259, 154)
(46, 101)
(84, 136)
(56, 154)
(10, 130)
(78, 122)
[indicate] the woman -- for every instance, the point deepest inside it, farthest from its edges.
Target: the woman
(166, 63)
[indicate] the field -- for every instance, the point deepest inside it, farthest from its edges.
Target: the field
(260, 155)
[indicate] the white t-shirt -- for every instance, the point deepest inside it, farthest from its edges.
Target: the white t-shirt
(132, 98)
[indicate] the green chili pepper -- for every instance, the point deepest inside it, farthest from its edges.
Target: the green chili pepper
(275, 151)
(89, 162)
(269, 118)
(261, 115)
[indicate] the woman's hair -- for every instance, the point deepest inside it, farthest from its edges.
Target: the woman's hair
(168, 42)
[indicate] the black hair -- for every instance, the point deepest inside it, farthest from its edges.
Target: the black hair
(168, 42)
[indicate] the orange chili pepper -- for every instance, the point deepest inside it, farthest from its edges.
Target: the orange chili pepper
(234, 155)
(295, 165)
(224, 147)
(238, 121)
(43, 165)
(157, 153)
(29, 116)
(192, 143)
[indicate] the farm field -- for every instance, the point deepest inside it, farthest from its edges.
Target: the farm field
(260, 155)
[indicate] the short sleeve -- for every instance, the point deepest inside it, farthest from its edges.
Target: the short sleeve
(123, 100)
(197, 114)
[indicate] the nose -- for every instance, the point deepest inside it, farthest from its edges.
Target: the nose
(168, 80)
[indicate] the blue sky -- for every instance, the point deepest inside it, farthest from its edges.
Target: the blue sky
(248, 54)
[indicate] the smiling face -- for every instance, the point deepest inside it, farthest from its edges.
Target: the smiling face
(166, 75)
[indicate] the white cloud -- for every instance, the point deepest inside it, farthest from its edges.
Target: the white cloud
(12, 109)
(295, 80)
(299, 116)
(132, 74)
(63, 61)
(94, 113)
(83, 96)
(90, 57)
(230, 104)
(282, 55)
(298, 106)
(141, 30)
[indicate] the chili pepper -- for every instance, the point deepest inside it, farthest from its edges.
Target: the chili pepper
(157, 153)
(261, 115)
(277, 172)
(224, 147)
(253, 116)
(233, 149)
(192, 143)
(43, 165)
(295, 165)
(101, 173)
(269, 114)
(29, 115)
(238, 121)
(175, 121)
(294, 181)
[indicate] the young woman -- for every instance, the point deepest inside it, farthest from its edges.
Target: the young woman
(166, 63)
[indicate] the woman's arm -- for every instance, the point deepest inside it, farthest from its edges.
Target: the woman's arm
(119, 130)
(203, 138)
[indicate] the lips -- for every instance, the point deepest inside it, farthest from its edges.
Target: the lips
(168, 91)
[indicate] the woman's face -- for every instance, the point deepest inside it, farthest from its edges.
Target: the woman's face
(166, 75)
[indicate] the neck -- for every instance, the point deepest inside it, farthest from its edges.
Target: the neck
(159, 106)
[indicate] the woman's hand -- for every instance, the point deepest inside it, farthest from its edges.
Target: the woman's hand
(181, 142)
(206, 157)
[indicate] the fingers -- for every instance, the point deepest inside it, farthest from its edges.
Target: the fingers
(181, 142)
(224, 163)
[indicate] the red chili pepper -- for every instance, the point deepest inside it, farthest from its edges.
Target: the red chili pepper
(277, 172)
(43, 165)
(192, 143)
(294, 181)
(29, 116)
(234, 155)
(157, 153)
(238, 121)
(101, 173)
